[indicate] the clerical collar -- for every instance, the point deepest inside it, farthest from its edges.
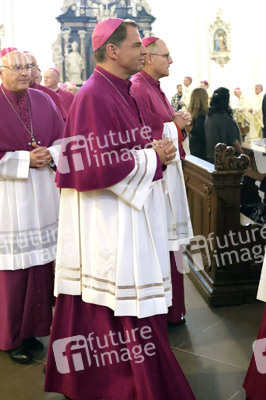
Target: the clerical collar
(121, 84)
(14, 97)
(150, 79)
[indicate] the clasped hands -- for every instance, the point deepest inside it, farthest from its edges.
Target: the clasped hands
(165, 149)
(39, 157)
(182, 118)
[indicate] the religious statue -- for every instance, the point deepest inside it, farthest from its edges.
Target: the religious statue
(144, 4)
(219, 40)
(74, 65)
(67, 4)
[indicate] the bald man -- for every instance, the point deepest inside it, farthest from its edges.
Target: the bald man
(35, 73)
(30, 125)
(51, 80)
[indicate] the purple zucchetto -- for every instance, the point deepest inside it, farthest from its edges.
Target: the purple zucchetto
(103, 31)
(148, 40)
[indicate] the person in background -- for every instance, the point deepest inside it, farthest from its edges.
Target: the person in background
(72, 87)
(205, 85)
(220, 126)
(34, 85)
(241, 114)
(184, 102)
(198, 108)
(256, 113)
(51, 80)
(175, 102)
(264, 116)
(38, 78)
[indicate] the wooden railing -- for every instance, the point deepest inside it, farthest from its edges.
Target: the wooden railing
(231, 253)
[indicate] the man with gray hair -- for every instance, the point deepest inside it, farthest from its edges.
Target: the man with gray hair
(30, 124)
(146, 88)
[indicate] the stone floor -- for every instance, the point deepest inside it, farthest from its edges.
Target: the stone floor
(213, 349)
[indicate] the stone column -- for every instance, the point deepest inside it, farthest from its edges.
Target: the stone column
(66, 35)
(82, 35)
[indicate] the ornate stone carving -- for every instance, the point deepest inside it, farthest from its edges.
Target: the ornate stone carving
(57, 53)
(81, 16)
(224, 158)
(102, 9)
(67, 4)
(143, 4)
(220, 43)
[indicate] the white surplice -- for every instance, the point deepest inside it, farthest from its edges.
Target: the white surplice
(178, 215)
(113, 244)
(29, 206)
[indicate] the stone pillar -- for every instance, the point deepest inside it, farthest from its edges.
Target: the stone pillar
(65, 34)
(82, 35)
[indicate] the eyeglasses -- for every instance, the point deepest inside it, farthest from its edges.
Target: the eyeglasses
(19, 68)
(167, 56)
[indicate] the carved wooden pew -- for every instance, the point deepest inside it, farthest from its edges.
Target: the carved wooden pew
(232, 254)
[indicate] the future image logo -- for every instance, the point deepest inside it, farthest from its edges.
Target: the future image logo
(71, 354)
(259, 349)
(77, 353)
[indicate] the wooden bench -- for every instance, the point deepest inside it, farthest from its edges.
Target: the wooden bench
(231, 253)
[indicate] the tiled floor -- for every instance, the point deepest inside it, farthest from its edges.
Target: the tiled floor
(213, 349)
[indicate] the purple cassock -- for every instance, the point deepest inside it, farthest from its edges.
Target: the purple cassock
(254, 383)
(92, 353)
(66, 98)
(54, 96)
(26, 290)
(47, 122)
(147, 90)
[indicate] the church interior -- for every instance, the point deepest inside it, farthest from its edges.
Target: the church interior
(213, 41)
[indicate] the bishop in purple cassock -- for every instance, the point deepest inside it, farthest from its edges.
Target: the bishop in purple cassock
(113, 282)
(51, 81)
(34, 85)
(30, 126)
(146, 88)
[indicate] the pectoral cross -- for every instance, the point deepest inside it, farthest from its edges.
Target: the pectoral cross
(34, 141)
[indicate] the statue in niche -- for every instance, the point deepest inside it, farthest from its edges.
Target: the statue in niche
(74, 65)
